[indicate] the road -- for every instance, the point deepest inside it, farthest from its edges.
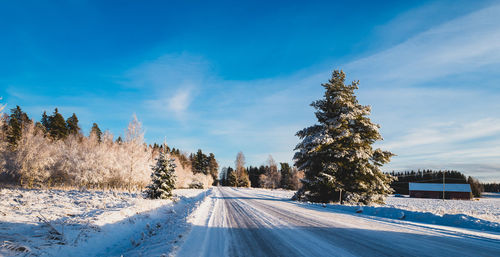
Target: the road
(246, 222)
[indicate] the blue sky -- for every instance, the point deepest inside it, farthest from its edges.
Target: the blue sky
(232, 76)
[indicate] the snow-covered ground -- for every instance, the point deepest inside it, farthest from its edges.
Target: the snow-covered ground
(254, 222)
(485, 208)
(75, 223)
(481, 214)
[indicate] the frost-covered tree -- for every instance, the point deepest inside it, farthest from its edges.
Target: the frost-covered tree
(162, 178)
(137, 154)
(337, 154)
(30, 162)
(240, 174)
(272, 177)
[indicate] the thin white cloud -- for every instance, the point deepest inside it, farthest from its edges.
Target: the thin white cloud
(460, 45)
(180, 102)
(449, 132)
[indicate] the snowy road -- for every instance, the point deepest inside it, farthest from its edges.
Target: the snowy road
(246, 222)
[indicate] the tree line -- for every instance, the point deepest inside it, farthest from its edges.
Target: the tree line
(265, 176)
(492, 187)
(53, 152)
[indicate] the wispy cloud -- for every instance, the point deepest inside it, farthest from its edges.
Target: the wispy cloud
(180, 101)
(460, 45)
(449, 132)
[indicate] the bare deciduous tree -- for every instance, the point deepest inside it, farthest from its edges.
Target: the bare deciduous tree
(272, 177)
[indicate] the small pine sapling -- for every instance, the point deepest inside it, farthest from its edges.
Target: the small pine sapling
(162, 178)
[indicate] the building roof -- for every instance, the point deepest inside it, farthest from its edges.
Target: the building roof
(439, 187)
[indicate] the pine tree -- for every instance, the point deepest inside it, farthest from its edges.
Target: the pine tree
(14, 132)
(57, 126)
(96, 131)
(213, 167)
(72, 125)
(286, 176)
(163, 178)
(337, 154)
(17, 122)
(45, 121)
(199, 162)
(244, 180)
(232, 179)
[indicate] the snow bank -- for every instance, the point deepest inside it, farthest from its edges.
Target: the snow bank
(75, 223)
(478, 215)
(486, 208)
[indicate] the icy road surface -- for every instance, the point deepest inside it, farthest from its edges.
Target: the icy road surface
(245, 222)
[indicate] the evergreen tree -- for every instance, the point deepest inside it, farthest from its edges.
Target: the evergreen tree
(213, 167)
(199, 162)
(96, 131)
(286, 176)
(337, 154)
(163, 178)
(45, 121)
(14, 132)
(57, 126)
(17, 121)
(232, 178)
(243, 180)
(226, 172)
(72, 125)
(254, 174)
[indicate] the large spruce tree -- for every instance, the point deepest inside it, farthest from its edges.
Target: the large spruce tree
(213, 167)
(286, 176)
(72, 125)
(96, 131)
(57, 126)
(16, 122)
(163, 178)
(336, 154)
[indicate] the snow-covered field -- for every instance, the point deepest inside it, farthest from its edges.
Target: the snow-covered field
(481, 214)
(486, 208)
(75, 223)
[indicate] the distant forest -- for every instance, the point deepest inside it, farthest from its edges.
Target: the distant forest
(265, 176)
(400, 185)
(492, 187)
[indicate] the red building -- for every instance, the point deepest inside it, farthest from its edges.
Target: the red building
(434, 190)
